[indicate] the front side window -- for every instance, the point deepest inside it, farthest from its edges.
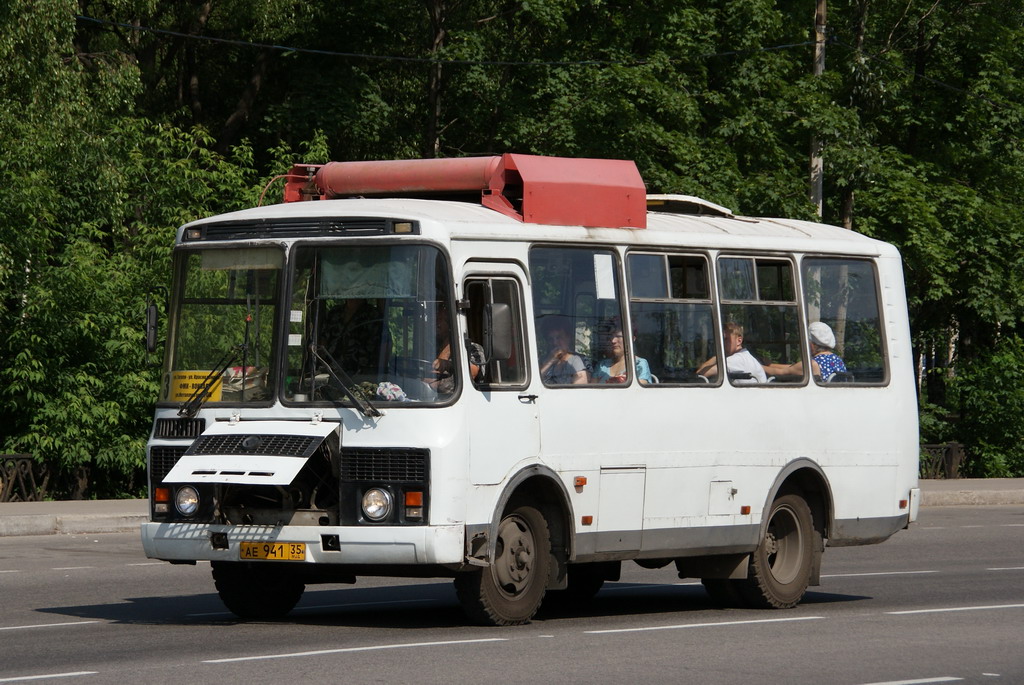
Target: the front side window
(670, 307)
(578, 314)
(222, 338)
(844, 324)
(760, 321)
(496, 370)
(371, 320)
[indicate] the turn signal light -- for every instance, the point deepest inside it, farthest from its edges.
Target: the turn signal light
(162, 495)
(414, 499)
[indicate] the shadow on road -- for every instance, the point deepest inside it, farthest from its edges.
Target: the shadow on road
(411, 607)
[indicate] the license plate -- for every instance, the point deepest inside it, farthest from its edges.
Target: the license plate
(273, 551)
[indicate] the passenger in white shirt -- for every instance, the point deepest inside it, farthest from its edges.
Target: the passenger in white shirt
(738, 360)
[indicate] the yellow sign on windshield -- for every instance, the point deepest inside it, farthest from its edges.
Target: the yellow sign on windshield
(184, 383)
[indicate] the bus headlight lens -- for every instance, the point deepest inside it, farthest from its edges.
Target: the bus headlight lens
(186, 501)
(376, 504)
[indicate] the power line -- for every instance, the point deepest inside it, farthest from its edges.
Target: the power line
(422, 60)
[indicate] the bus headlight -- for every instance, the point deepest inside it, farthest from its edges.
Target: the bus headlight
(376, 504)
(186, 501)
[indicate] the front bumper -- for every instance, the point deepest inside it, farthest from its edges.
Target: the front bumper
(371, 545)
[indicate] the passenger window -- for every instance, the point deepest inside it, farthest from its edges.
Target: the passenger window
(495, 370)
(671, 312)
(842, 294)
(578, 315)
(759, 305)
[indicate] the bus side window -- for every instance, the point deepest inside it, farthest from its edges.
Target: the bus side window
(671, 311)
(843, 295)
(577, 308)
(759, 299)
(495, 371)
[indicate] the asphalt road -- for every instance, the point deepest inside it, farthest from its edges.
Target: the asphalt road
(942, 602)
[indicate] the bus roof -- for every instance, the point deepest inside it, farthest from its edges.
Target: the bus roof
(463, 220)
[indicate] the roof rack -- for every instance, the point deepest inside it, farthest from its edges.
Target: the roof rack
(606, 193)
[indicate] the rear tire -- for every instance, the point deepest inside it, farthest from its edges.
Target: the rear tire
(780, 567)
(510, 590)
(256, 591)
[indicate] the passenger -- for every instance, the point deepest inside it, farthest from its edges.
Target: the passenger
(738, 360)
(563, 366)
(824, 362)
(613, 370)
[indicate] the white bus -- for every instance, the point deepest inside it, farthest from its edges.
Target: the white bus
(519, 372)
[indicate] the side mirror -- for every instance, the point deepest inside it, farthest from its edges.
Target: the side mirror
(152, 324)
(497, 331)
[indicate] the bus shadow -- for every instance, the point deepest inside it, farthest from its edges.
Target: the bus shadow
(411, 607)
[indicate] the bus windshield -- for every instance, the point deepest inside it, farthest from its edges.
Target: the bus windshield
(222, 340)
(375, 320)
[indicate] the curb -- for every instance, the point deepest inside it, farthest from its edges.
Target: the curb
(52, 524)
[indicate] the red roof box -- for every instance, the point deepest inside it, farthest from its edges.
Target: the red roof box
(543, 190)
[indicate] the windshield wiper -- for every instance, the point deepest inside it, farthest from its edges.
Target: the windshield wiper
(343, 380)
(190, 407)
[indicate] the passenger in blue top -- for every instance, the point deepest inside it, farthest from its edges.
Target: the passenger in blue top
(825, 363)
(613, 370)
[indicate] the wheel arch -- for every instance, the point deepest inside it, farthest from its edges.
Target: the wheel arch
(804, 477)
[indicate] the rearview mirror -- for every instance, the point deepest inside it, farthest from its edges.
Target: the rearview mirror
(152, 324)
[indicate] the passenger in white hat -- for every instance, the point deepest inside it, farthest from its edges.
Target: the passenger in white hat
(825, 363)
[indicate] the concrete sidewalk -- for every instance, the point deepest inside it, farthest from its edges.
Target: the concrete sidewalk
(111, 516)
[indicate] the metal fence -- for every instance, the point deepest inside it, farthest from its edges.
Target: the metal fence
(941, 461)
(22, 478)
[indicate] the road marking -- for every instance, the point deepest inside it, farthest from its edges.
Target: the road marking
(876, 573)
(703, 625)
(939, 611)
(48, 625)
(921, 681)
(346, 650)
(1012, 525)
(13, 570)
(148, 563)
(70, 568)
(23, 678)
(1006, 568)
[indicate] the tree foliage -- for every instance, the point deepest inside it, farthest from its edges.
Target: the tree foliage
(119, 120)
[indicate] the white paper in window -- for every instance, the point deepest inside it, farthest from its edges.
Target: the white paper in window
(604, 276)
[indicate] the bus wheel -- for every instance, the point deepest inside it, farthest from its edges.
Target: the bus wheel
(510, 590)
(780, 567)
(256, 591)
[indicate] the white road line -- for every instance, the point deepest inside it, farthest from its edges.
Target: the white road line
(11, 571)
(875, 573)
(48, 625)
(920, 681)
(940, 611)
(149, 563)
(23, 678)
(1012, 525)
(1006, 568)
(70, 568)
(346, 650)
(703, 625)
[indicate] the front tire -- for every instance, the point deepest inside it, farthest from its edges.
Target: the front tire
(510, 590)
(257, 591)
(780, 567)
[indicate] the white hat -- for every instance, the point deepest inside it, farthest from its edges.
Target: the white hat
(821, 335)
